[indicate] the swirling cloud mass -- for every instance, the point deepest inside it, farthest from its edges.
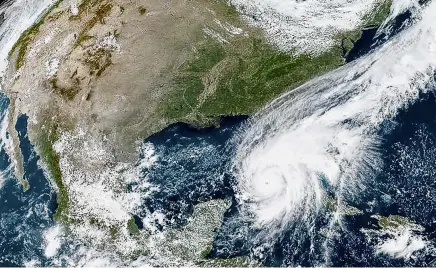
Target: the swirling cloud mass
(326, 131)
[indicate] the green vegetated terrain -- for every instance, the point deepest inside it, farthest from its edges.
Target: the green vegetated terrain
(241, 76)
(238, 76)
(393, 221)
(132, 227)
(231, 262)
(259, 74)
(100, 10)
(47, 138)
(378, 14)
(28, 36)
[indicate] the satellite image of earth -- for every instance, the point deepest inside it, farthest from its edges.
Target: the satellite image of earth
(211, 133)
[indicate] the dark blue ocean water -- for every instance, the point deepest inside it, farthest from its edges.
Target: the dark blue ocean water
(373, 37)
(23, 215)
(193, 167)
(406, 186)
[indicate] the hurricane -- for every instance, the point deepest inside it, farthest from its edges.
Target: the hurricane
(339, 171)
(326, 134)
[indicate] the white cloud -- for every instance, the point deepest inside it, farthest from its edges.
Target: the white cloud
(52, 241)
(307, 26)
(402, 245)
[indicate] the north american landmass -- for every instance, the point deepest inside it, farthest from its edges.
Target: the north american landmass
(97, 78)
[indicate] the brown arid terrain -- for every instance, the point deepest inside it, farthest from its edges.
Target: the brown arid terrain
(97, 79)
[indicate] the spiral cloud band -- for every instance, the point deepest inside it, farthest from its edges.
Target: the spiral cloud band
(326, 131)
